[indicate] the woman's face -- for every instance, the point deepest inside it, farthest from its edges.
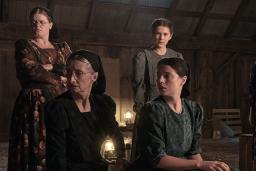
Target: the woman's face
(169, 82)
(161, 36)
(81, 77)
(41, 26)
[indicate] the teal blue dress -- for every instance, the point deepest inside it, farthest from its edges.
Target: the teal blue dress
(163, 132)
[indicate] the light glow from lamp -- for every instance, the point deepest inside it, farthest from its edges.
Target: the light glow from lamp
(108, 150)
(109, 146)
(128, 117)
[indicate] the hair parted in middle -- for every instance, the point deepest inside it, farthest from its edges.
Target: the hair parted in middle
(99, 87)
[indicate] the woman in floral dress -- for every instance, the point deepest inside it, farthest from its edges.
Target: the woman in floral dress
(40, 68)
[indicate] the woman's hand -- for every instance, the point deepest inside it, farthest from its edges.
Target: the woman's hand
(213, 166)
(47, 67)
(121, 164)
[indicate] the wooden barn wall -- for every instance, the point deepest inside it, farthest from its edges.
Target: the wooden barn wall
(9, 89)
(219, 79)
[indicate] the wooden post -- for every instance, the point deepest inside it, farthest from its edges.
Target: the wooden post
(245, 153)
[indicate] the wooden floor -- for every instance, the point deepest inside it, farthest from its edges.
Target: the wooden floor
(226, 150)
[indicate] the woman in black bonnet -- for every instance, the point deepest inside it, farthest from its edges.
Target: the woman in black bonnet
(79, 120)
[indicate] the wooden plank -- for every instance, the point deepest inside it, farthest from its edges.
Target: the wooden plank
(4, 136)
(226, 110)
(1, 10)
(220, 68)
(70, 3)
(4, 6)
(226, 116)
(131, 17)
(246, 163)
(172, 9)
(237, 131)
(208, 7)
(50, 4)
(233, 123)
(229, 116)
(236, 18)
(93, 7)
(218, 16)
(236, 127)
(248, 19)
(184, 13)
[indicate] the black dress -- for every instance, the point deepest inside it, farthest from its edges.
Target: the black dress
(74, 139)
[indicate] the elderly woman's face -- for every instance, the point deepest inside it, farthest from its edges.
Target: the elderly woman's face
(41, 25)
(168, 81)
(81, 77)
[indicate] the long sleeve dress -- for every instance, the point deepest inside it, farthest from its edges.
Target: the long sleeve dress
(163, 132)
(144, 75)
(74, 138)
(27, 129)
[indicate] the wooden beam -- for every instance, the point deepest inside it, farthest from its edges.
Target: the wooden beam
(4, 6)
(1, 10)
(229, 60)
(154, 10)
(7, 44)
(50, 5)
(70, 3)
(203, 18)
(219, 16)
(93, 7)
(248, 19)
(140, 40)
(213, 43)
(184, 13)
(4, 136)
(132, 13)
(172, 9)
(236, 18)
(12, 32)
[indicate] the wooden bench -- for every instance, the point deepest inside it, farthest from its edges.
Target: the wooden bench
(230, 116)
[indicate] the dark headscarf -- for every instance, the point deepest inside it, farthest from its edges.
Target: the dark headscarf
(182, 69)
(53, 35)
(99, 86)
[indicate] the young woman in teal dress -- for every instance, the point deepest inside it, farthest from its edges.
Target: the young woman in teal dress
(169, 127)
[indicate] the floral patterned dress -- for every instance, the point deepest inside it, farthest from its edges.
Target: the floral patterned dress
(27, 130)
